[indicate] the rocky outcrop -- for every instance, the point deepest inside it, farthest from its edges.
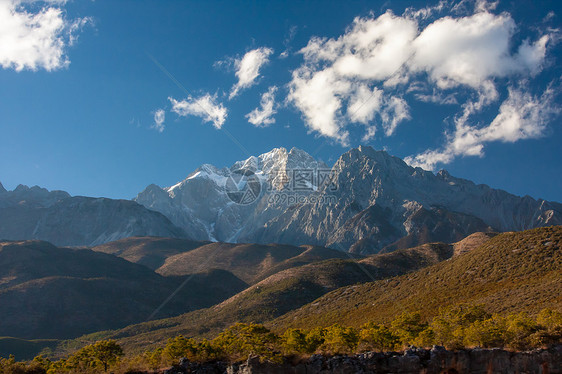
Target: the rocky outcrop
(413, 361)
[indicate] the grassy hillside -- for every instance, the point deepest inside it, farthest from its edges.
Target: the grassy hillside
(278, 294)
(512, 272)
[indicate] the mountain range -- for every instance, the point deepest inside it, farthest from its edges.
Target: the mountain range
(367, 202)
(55, 216)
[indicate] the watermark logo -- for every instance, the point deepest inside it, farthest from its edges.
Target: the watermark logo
(282, 187)
(301, 180)
(243, 186)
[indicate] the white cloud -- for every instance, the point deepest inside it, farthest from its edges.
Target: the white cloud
(205, 107)
(318, 96)
(159, 118)
(471, 50)
(35, 40)
(425, 13)
(363, 75)
(248, 68)
(364, 104)
(287, 42)
(263, 116)
(395, 111)
(339, 76)
(521, 116)
(437, 98)
(371, 49)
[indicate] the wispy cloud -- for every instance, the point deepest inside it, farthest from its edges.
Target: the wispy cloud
(521, 116)
(205, 107)
(36, 40)
(159, 118)
(287, 42)
(263, 116)
(248, 69)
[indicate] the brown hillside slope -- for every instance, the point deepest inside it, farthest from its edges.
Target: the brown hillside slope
(249, 262)
(279, 294)
(149, 251)
(52, 292)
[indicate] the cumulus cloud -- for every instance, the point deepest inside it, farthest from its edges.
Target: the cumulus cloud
(159, 118)
(521, 116)
(263, 116)
(35, 40)
(248, 68)
(318, 96)
(471, 50)
(365, 104)
(339, 75)
(364, 76)
(205, 107)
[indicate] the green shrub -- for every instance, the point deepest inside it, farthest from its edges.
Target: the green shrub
(244, 339)
(340, 339)
(407, 327)
(377, 337)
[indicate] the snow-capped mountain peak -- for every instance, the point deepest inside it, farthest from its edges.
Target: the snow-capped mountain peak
(201, 203)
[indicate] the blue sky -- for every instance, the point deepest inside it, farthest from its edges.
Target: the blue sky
(472, 87)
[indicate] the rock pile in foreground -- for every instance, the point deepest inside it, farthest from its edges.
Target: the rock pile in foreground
(412, 361)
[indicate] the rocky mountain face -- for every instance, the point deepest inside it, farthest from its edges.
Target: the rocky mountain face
(55, 216)
(367, 202)
(210, 203)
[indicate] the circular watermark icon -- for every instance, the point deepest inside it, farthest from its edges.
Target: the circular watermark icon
(243, 186)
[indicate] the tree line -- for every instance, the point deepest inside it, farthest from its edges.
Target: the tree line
(454, 328)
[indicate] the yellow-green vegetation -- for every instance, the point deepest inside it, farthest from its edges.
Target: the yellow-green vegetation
(93, 358)
(512, 272)
(456, 327)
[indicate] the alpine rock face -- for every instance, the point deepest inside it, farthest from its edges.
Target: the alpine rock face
(367, 202)
(221, 204)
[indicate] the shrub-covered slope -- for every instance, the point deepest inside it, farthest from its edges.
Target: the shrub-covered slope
(515, 271)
